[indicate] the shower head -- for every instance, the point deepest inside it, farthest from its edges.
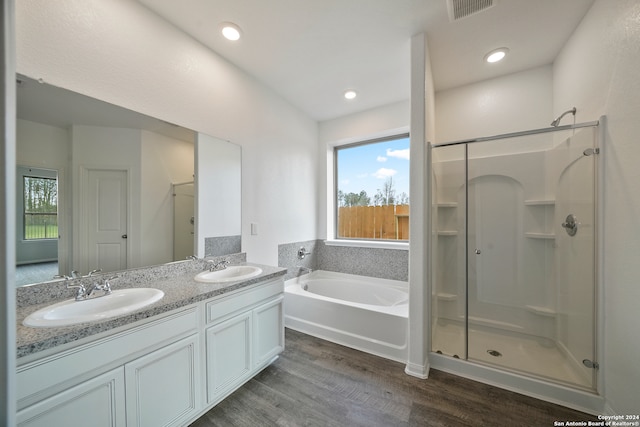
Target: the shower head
(556, 122)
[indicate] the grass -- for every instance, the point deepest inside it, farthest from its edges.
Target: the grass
(34, 232)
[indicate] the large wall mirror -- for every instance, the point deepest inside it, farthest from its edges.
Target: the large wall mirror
(103, 187)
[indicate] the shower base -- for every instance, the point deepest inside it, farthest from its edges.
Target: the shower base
(518, 352)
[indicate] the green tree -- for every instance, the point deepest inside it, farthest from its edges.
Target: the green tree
(354, 199)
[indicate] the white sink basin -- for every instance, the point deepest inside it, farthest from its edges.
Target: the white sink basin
(229, 274)
(71, 312)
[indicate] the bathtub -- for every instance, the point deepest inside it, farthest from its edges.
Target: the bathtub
(360, 312)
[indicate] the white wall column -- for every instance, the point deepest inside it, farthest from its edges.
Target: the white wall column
(421, 130)
(7, 217)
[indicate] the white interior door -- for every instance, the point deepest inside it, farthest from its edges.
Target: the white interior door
(107, 219)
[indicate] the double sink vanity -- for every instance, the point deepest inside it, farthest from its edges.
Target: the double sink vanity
(164, 346)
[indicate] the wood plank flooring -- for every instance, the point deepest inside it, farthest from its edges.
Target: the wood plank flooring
(318, 383)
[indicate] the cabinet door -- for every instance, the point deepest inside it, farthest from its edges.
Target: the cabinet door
(162, 387)
(98, 401)
(268, 331)
(228, 355)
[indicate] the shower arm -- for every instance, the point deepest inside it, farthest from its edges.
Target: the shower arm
(556, 122)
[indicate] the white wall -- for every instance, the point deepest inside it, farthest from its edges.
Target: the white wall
(512, 103)
(119, 52)
(164, 161)
(597, 71)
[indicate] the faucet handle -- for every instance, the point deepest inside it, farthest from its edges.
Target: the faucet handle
(302, 252)
(92, 272)
(107, 284)
(81, 293)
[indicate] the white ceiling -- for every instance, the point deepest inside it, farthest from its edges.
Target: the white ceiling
(311, 51)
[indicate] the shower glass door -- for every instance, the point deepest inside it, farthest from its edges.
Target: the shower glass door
(515, 286)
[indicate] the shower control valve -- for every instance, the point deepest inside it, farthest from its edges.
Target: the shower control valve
(570, 225)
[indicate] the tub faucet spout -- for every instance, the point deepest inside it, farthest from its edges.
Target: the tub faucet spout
(304, 269)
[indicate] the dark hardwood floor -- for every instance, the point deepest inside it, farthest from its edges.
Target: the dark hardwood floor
(318, 383)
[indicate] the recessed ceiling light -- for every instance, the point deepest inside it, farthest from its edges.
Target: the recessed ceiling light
(230, 31)
(350, 94)
(496, 55)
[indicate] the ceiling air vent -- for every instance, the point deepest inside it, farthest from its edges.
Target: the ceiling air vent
(459, 9)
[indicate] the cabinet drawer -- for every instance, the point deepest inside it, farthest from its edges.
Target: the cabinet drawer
(220, 309)
(42, 378)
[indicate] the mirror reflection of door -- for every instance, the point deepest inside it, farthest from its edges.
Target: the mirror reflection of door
(37, 224)
(106, 224)
(183, 221)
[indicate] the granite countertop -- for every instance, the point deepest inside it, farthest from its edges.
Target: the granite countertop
(179, 287)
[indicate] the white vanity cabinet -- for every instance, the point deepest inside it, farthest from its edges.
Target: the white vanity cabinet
(164, 371)
(144, 376)
(244, 333)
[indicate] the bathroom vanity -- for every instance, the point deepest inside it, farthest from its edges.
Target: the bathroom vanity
(164, 365)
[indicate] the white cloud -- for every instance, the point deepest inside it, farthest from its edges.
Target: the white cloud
(398, 154)
(344, 182)
(384, 173)
(381, 159)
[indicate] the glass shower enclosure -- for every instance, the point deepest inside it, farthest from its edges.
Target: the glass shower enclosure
(514, 243)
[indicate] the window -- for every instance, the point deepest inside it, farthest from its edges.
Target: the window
(372, 189)
(40, 210)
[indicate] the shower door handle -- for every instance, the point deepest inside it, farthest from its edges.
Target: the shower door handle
(570, 225)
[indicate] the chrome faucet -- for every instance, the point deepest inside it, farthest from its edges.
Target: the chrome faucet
(82, 292)
(105, 287)
(215, 266)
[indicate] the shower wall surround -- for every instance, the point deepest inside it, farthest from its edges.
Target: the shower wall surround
(372, 262)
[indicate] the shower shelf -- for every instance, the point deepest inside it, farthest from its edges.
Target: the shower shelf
(533, 235)
(547, 202)
(541, 311)
(443, 296)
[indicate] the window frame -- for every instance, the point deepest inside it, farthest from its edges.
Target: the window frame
(334, 240)
(43, 174)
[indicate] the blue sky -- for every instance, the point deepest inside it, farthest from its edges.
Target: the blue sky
(367, 167)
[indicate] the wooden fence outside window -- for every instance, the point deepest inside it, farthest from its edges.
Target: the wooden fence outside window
(390, 222)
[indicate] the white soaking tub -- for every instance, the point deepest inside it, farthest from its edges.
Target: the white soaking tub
(360, 312)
